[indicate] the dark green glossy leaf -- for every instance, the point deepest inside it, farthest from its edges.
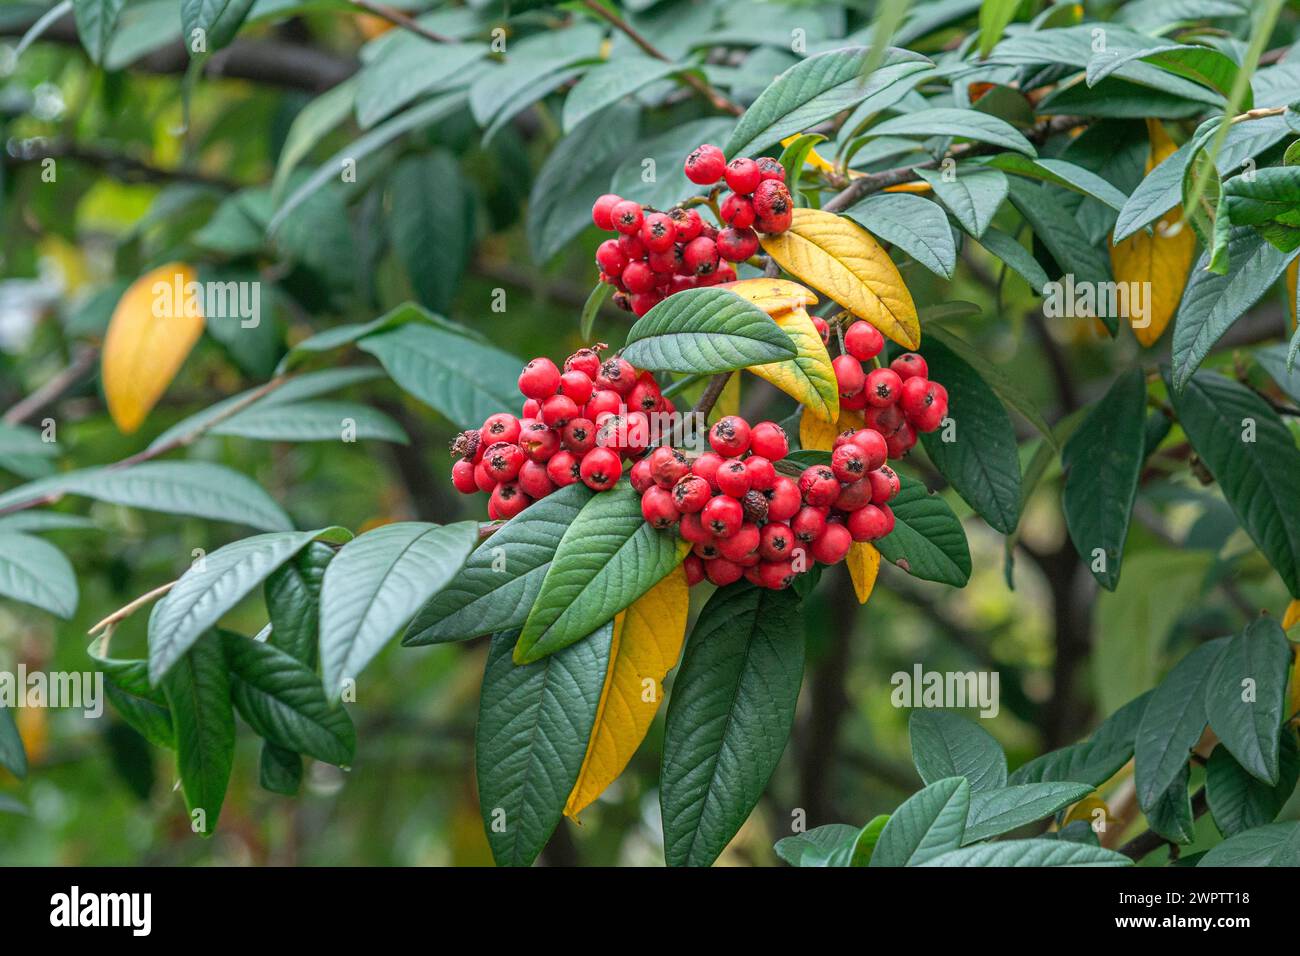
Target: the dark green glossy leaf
(1246, 695)
(917, 226)
(927, 541)
(1277, 844)
(946, 745)
(994, 812)
(1240, 802)
(1092, 761)
(705, 331)
(927, 825)
(198, 693)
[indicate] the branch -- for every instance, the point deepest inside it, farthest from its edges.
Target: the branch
(399, 19)
(128, 169)
(1142, 844)
(54, 389)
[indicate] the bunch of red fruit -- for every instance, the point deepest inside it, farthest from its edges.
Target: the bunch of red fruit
(899, 401)
(578, 424)
(744, 519)
(659, 253)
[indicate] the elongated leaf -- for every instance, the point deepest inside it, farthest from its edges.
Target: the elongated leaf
(36, 572)
(500, 581)
(607, 84)
(198, 694)
(994, 812)
(994, 17)
(1204, 65)
(704, 331)
(809, 377)
(292, 594)
(1016, 257)
(972, 194)
(863, 562)
(653, 174)
(433, 208)
(13, 757)
(1061, 234)
(218, 20)
(1240, 802)
(96, 20)
(731, 711)
(927, 825)
(313, 421)
(1277, 844)
(917, 226)
(814, 847)
(376, 583)
(1092, 761)
(1030, 853)
(1245, 696)
(609, 556)
(410, 67)
(309, 127)
(1061, 173)
(839, 258)
(946, 745)
(1257, 476)
(533, 726)
(927, 541)
(143, 706)
(282, 699)
(968, 124)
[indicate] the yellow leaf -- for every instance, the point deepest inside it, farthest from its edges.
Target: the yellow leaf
(647, 642)
(812, 159)
(1292, 288)
(819, 435)
(1289, 620)
(808, 377)
(773, 296)
(920, 188)
(154, 327)
(1292, 616)
(838, 257)
(1162, 258)
(1086, 810)
(864, 564)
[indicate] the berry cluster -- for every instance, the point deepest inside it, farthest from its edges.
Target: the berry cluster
(578, 424)
(659, 253)
(899, 401)
(744, 519)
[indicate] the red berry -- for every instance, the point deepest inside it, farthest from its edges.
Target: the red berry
(823, 328)
(863, 341)
(776, 541)
(737, 245)
(538, 441)
(694, 569)
(534, 481)
(632, 247)
(484, 481)
(603, 401)
(601, 469)
(909, 365)
(636, 434)
(724, 273)
(769, 168)
(559, 410)
(667, 467)
(882, 387)
(808, 524)
(705, 165)
(885, 420)
(769, 440)
(853, 403)
(723, 516)
(742, 544)
(462, 476)
(854, 495)
(658, 232)
(641, 476)
(502, 460)
(700, 256)
(586, 361)
(762, 474)
(691, 493)
(663, 263)
(833, 545)
(737, 211)
(733, 478)
(638, 277)
(562, 468)
(848, 374)
(818, 486)
(775, 575)
(539, 379)
(645, 397)
(692, 529)
(729, 436)
(618, 374)
(610, 258)
(706, 466)
(870, 522)
(579, 435)
(531, 408)
(722, 572)
(602, 210)
(773, 206)
(873, 445)
(626, 217)
(688, 223)
(577, 386)
(743, 175)
(507, 500)
(784, 500)
(901, 442)
(884, 484)
(657, 508)
(499, 427)
(925, 403)
(706, 550)
(849, 462)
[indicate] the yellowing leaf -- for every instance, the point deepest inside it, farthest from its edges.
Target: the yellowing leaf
(920, 188)
(1163, 258)
(773, 296)
(154, 327)
(1292, 288)
(864, 564)
(838, 257)
(818, 434)
(1289, 620)
(813, 159)
(808, 377)
(1086, 810)
(1292, 616)
(647, 642)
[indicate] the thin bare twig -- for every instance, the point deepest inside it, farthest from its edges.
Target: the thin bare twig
(399, 19)
(54, 389)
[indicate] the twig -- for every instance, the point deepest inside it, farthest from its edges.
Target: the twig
(399, 19)
(129, 169)
(127, 610)
(711, 394)
(53, 389)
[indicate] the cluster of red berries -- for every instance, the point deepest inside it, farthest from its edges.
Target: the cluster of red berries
(744, 519)
(578, 424)
(899, 400)
(659, 253)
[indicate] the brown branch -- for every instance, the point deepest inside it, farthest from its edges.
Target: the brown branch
(55, 388)
(128, 169)
(399, 19)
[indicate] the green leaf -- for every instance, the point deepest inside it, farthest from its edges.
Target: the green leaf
(705, 331)
(219, 21)
(591, 308)
(1245, 696)
(1060, 173)
(282, 699)
(994, 812)
(610, 82)
(455, 375)
(1273, 359)
(948, 121)
(143, 706)
(1170, 814)
(609, 556)
(816, 89)
(433, 208)
(313, 421)
(994, 17)
(863, 847)
(814, 847)
(21, 440)
(915, 225)
(500, 582)
(409, 68)
(664, 184)
(1201, 64)
(292, 594)
(196, 488)
(1277, 844)
(530, 63)
(279, 770)
(1238, 801)
(308, 128)
(198, 694)
(927, 825)
(927, 541)
(13, 757)
(981, 460)
(376, 583)
(1102, 462)
(534, 722)
(212, 586)
(1016, 257)
(946, 745)
(1063, 237)
(1173, 722)
(1092, 761)
(1212, 302)
(36, 572)
(1257, 477)
(1039, 852)
(729, 716)
(96, 20)
(972, 195)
